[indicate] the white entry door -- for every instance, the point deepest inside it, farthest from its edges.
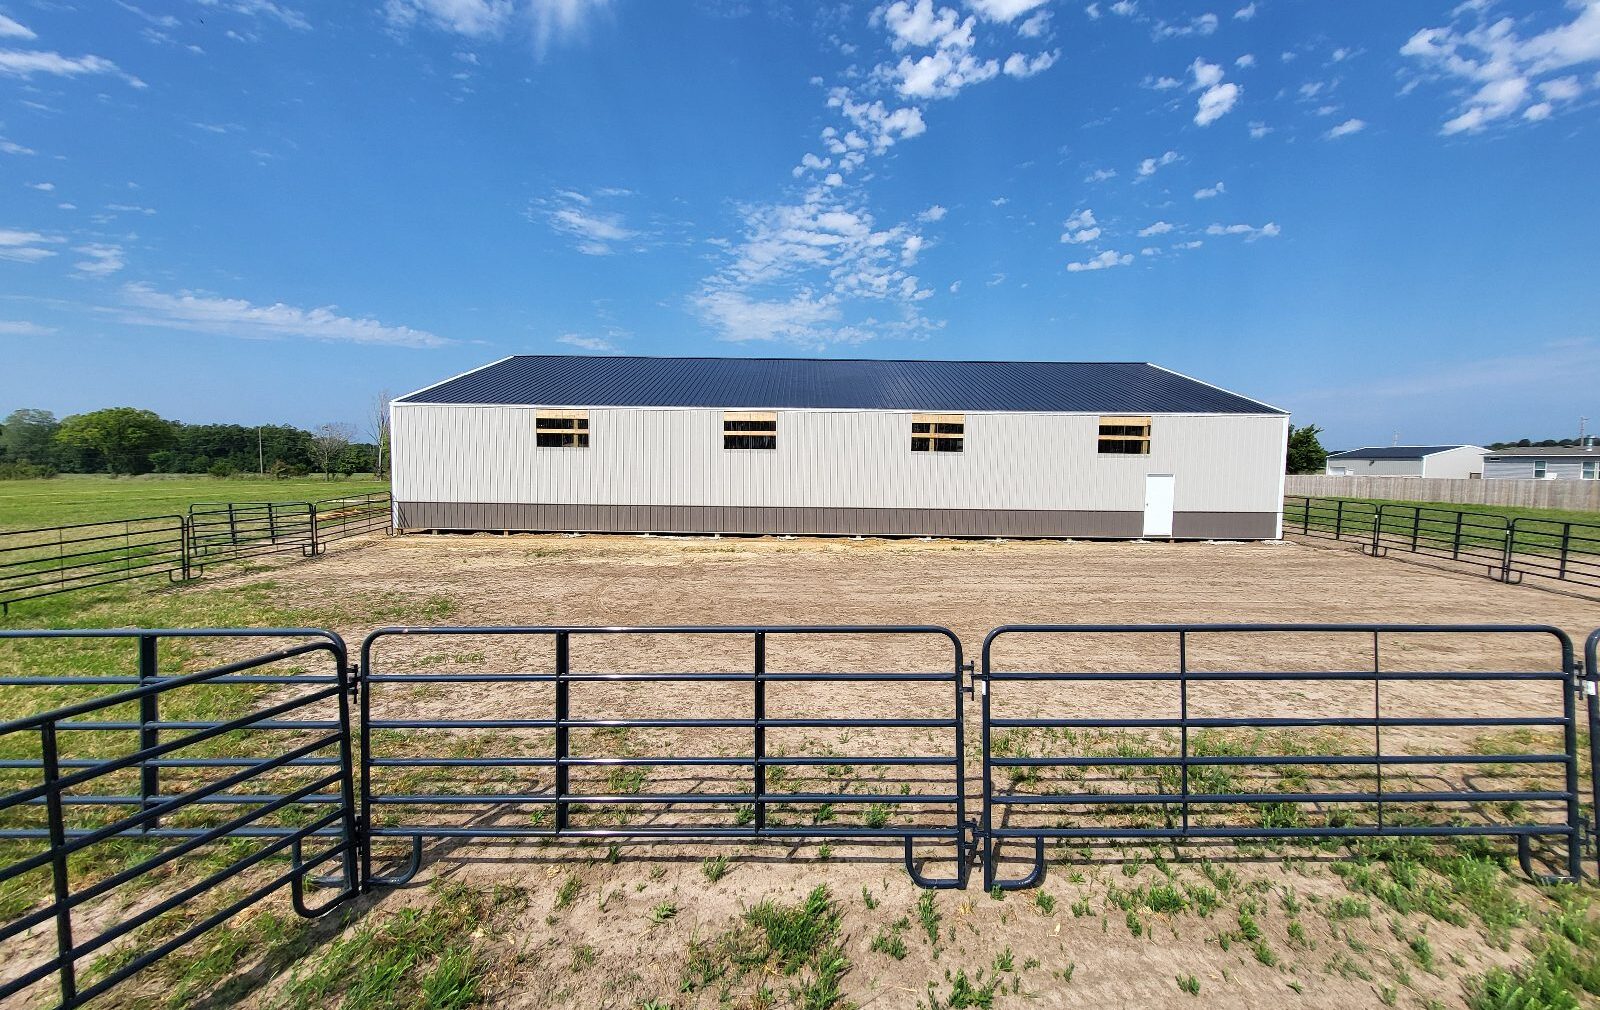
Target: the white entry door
(1158, 491)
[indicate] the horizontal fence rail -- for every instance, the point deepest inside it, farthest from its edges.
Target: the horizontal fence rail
(62, 559)
(1207, 751)
(570, 755)
(1509, 549)
(220, 779)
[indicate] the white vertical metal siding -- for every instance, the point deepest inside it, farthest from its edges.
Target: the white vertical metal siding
(846, 459)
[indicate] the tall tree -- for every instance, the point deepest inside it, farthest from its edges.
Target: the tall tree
(124, 437)
(1306, 454)
(27, 436)
(330, 441)
(378, 420)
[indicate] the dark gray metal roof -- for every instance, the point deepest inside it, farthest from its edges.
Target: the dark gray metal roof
(1395, 451)
(825, 383)
(1551, 451)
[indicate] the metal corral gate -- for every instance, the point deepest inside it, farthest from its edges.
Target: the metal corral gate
(746, 799)
(1177, 775)
(113, 769)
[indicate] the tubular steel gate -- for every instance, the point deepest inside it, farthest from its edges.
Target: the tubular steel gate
(1174, 765)
(748, 733)
(579, 738)
(103, 794)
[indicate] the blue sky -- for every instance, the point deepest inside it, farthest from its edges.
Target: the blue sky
(1380, 215)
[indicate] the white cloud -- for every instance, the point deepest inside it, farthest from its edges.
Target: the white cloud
(1004, 10)
(1346, 128)
(43, 187)
(1245, 61)
(1080, 228)
(1193, 244)
(12, 147)
(1149, 165)
(1562, 89)
(1205, 24)
(815, 273)
(1246, 12)
(933, 213)
(103, 259)
(262, 8)
(1251, 233)
(25, 246)
(597, 232)
(595, 345)
(21, 328)
(1105, 260)
(1125, 8)
(943, 74)
(66, 206)
(547, 21)
(234, 317)
(919, 23)
(999, 201)
(1035, 26)
(1159, 228)
(1020, 66)
(1210, 191)
(27, 63)
(10, 29)
(1503, 67)
(1259, 130)
(1101, 175)
(1163, 83)
(1216, 99)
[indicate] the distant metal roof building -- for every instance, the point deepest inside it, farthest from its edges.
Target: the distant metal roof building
(1547, 451)
(1395, 451)
(819, 383)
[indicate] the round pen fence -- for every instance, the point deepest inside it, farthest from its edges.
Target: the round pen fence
(679, 733)
(206, 771)
(52, 560)
(1508, 549)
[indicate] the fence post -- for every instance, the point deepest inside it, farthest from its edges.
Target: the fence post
(760, 748)
(1305, 517)
(66, 967)
(149, 734)
(1183, 715)
(563, 666)
(315, 527)
(1566, 542)
(1455, 549)
(272, 526)
(1377, 529)
(1338, 520)
(1510, 554)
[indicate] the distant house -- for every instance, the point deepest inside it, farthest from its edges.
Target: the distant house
(1554, 462)
(1458, 461)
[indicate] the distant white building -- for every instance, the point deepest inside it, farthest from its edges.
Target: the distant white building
(1458, 461)
(1554, 462)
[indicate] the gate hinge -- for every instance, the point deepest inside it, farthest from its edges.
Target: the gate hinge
(968, 668)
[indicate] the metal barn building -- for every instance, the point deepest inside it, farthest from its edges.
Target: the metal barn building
(835, 447)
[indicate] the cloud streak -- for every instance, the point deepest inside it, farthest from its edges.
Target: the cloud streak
(234, 317)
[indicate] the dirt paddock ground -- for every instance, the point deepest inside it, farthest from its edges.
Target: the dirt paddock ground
(588, 928)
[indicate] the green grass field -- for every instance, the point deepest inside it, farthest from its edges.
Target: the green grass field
(1553, 515)
(26, 504)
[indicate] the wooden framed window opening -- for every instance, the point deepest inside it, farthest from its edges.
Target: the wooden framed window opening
(1124, 436)
(749, 429)
(561, 429)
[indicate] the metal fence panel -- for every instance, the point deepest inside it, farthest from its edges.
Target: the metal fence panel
(236, 531)
(565, 754)
(235, 799)
(60, 559)
(1183, 775)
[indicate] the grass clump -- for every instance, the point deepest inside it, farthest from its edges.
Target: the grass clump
(799, 942)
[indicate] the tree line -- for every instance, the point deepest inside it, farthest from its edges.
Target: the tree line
(1548, 443)
(129, 440)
